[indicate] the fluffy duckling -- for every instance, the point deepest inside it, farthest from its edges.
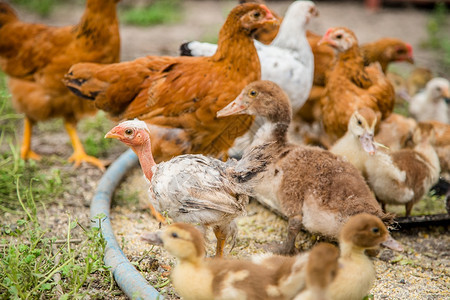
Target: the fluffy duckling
(195, 188)
(396, 131)
(321, 270)
(356, 271)
(399, 177)
(432, 104)
(196, 278)
(311, 186)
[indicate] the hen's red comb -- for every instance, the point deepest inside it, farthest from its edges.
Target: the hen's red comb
(269, 13)
(328, 32)
(410, 49)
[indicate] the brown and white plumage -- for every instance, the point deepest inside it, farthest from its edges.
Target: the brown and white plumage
(356, 273)
(195, 188)
(312, 187)
(196, 277)
(180, 96)
(398, 177)
(350, 85)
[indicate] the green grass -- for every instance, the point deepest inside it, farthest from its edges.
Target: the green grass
(36, 265)
(158, 12)
(438, 37)
(42, 7)
(430, 204)
(95, 129)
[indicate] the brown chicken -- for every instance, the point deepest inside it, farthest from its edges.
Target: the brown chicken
(351, 85)
(384, 51)
(36, 57)
(265, 34)
(179, 96)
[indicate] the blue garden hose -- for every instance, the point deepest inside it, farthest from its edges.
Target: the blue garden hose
(127, 277)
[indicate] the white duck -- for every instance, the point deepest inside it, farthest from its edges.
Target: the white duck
(433, 102)
(195, 188)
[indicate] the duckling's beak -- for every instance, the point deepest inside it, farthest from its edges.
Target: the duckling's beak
(236, 107)
(112, 134)
(367, 142)
(392, 244)
(153, 238)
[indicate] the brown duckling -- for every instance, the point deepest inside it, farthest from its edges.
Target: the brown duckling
(398, 177)
(311, 186)
(321, 270)
(356, 271)
(196, 277)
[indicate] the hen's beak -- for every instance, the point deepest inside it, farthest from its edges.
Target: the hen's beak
(446, 95)
(392, 244)
(237, 107)
(367, 142)
(112, 134)
(153, 238)
(325, 40)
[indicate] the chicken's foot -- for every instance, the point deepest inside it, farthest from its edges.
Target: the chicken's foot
(158, 216)
(25, 150)
(79, 155)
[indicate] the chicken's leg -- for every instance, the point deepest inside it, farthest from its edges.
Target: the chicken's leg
(25, 150)
(221, 238)
(159, 217)
(79, 155)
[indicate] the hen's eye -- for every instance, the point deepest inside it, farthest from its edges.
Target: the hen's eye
(128, 131)
(375, 230)
(252, 93)
(339, 36)
(174, 234)
(359, 122)
(256, 14)
(438, 89)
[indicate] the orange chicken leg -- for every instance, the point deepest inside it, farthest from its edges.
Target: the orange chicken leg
(25, 150)
(79, 155)
(221, 238)
(158, 216)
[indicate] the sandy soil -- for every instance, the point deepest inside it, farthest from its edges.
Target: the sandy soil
(422, 272)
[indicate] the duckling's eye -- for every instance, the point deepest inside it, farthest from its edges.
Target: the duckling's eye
(252, 93)
(256, 14)
(174, 234)
(339, 36)
(375, 230)
(128, 131)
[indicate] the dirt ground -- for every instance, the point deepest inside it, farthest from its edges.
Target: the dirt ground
(421, 272)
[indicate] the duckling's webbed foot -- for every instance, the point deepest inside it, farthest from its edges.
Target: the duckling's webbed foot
(288, 247)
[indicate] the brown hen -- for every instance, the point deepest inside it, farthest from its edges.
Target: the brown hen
(180, 96)
(36, 57)
(350, 85)
(384, 51)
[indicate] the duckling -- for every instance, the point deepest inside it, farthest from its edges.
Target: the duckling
(398, 177)
(356, 273)
(396, 131)
(312, 187)
(195, 277)
(321, 270)
(195, 188)
(432, 104)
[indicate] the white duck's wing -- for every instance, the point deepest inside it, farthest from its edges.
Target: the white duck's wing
(195, 188)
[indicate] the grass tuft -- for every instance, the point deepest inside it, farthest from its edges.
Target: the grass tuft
(159, 12)
(42, 7)
(438, 38)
